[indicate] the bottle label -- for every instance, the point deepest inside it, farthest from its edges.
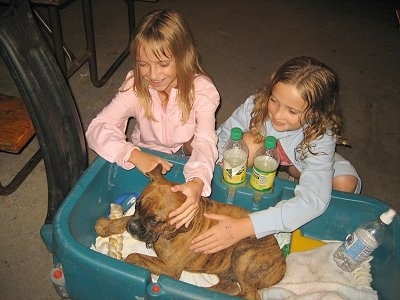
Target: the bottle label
(356, 248)
(262, 181)
(234, 175)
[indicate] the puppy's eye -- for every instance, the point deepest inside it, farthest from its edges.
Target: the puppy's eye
(153, 222)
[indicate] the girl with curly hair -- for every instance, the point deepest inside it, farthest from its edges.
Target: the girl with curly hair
(299, 106)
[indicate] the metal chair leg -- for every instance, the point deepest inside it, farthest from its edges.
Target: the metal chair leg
(61, 50)
(91, 47)
(22, 174)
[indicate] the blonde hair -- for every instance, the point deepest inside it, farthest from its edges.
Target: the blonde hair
(167, 34)
(318, 86)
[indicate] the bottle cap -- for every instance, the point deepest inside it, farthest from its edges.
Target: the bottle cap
(270, 142)
(388, 216)
(236, 133)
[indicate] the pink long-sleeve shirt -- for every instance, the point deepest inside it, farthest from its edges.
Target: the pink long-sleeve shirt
(106, 133)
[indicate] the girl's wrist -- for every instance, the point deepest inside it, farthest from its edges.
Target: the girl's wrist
(245, 228)
(198, 182)
(133, 156)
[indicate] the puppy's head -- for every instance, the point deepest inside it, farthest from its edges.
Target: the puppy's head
(152, 210)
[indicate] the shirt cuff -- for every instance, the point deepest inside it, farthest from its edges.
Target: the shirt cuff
(126, 164)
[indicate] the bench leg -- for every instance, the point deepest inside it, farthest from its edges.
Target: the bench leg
(22, 174)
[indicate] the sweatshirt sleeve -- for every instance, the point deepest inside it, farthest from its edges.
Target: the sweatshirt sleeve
(106, 132)
(204, 154)
(311, 196)
(239, 118)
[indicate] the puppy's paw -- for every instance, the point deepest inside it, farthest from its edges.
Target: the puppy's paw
(140, 260)
(101, 227)
(133, 258)
(106, 227)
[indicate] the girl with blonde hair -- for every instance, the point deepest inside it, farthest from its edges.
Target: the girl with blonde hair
(173, 102)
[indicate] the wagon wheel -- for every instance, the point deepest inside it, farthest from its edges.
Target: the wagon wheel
(48, 99)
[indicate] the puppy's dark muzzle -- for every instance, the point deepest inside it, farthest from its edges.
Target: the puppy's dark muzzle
(134, 227)
(137, 229)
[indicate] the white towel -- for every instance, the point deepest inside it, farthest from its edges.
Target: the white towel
(314, 274)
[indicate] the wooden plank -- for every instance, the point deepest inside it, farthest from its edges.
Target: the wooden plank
(16, 128)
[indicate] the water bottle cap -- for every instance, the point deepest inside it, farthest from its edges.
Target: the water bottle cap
(270, 142)
(236, 133)
(388, 216)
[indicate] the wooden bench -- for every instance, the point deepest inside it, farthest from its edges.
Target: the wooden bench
(16, 130)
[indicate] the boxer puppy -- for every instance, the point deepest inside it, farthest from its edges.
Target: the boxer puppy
(243, 268)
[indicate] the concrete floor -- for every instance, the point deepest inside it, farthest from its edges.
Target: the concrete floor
(241, 43)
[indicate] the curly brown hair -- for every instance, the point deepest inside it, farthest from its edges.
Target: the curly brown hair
(318, 86)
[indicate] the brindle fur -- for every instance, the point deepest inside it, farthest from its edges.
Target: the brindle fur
(252, 263)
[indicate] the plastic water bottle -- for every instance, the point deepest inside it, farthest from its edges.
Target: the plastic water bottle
(235, 154)
(359, 245)
(266, 162)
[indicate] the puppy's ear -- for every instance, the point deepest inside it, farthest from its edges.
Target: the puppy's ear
(156, 173)
(182, 229)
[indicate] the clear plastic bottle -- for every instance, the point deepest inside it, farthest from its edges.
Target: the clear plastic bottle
(266, 162)
(235, 154)
(359, 245)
